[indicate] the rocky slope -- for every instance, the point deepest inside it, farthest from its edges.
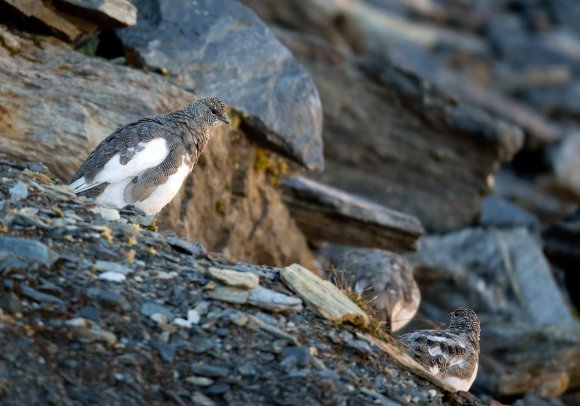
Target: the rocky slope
(97, 311)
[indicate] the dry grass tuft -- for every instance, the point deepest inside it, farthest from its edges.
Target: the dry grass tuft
(376, 327)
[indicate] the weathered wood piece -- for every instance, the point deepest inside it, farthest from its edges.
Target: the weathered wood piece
(322, 297)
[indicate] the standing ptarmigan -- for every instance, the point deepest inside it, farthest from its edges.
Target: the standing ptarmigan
(145, 162)
(450, 354)
(385, 279)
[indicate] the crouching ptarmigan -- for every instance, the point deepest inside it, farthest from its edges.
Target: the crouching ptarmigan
(450, 354)
(385, 279)
(145, 162)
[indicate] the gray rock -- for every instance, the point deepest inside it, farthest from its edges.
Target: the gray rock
(189, 247)
(501, 273)
(108, 299)
(296, 355)
(107, 266)
(18, 192)
(229, 294)
(242, 280)
(274, 301)
(85, 334)
(39, 296)
(199, 380)
(10, 303)
(329, 214)
(211, 371)
(151, 308)
(500, 212)
(22, 253)
(166, 351)
(221, 48)
(200, 399)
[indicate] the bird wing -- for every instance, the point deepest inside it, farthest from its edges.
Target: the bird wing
(435, 349)
(126, 153)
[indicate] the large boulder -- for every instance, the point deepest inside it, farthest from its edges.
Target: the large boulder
(56, 105)
(500, 273)
(221, 48)
(402, 143)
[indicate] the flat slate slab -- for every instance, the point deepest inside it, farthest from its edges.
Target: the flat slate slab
(502, 273)
(329, 214)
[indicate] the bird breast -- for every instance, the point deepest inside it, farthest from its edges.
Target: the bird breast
(165, 192)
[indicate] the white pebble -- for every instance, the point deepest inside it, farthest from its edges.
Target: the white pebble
(107, 214)
(182, 322)
(193, 316)
(77, 322)
(112, 277)
(159, 318)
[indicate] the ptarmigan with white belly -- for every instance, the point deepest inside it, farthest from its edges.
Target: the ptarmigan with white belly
(451, 354)
(385, 279)
(145, 162)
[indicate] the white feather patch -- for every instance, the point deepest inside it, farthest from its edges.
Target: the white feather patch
(437, 339)
(164, 193)
(154, 152)
(460, 383)
(434, 351)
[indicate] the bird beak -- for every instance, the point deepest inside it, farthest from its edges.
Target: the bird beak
(225, 120)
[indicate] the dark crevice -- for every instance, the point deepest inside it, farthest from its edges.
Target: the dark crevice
(110, 46)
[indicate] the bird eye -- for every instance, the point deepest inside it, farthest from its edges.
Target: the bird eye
(213, 111)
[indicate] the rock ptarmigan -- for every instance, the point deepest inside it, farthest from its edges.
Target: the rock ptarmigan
(450, 354)
(145, 162)
(385, 279)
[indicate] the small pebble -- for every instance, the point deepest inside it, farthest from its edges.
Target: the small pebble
(200, 399)
(199, 380)
(77, 322)
(18, 192)
(150, 308)
(193, 316)
(182, 322)
(112, 277)
(106, 266)
(158, 318)
(107, 213)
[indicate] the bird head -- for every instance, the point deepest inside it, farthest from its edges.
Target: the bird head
(463, 318)
(214, 111)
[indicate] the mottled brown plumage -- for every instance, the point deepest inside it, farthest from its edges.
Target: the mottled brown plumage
(451, 354)
(385, 279)
(145, 162)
